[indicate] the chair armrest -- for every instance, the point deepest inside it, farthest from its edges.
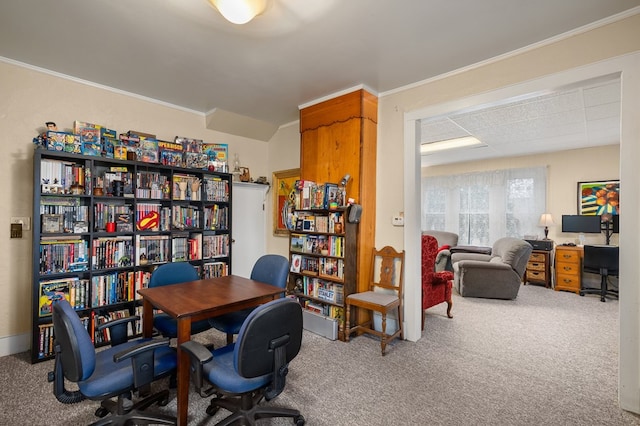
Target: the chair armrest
(118, 329)
(457, 257)
(139, 349)
(479, 264)
(198, 356)
(443, 260)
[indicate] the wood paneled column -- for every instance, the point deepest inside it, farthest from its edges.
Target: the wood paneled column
(339, 136)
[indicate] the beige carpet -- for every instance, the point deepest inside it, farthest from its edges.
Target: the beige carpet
(547, 358)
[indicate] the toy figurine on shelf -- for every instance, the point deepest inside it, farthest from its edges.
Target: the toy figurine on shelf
(41, 140)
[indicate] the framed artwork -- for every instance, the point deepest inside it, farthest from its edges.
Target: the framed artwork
(283, 199)
(599, 197)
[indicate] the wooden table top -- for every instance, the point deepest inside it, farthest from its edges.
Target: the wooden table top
(208, 297)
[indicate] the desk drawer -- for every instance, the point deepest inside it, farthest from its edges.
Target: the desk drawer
(536, 266)
(568, 256)
(565, 268)
(536, 257)
(568, 282)
(536, 276)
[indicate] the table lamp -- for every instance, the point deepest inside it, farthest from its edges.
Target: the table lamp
(546, 220)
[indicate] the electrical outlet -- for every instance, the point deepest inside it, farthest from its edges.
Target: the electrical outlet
(397, 221)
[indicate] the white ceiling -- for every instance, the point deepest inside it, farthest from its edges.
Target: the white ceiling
(182, 52)
(584, 115)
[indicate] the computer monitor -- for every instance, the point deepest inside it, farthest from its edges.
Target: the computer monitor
(581, 224)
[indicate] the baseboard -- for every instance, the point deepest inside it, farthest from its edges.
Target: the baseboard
(10, 345)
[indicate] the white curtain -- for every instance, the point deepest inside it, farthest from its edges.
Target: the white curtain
(484, 206)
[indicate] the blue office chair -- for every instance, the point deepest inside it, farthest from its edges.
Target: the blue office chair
(174, 273)
(271, 269)
(114, 372)
(252, 368)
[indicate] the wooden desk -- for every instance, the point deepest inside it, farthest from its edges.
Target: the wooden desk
(197, 300)
(568, 268)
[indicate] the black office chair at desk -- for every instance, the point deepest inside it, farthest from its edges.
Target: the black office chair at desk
(603, 260)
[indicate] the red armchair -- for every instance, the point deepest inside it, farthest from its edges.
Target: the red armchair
(436, 286)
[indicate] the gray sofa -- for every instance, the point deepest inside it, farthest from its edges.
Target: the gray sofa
(495, 276)
(443, 258)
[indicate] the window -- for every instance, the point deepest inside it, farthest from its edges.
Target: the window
(484, 206)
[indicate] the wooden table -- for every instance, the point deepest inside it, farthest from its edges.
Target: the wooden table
(197, 300)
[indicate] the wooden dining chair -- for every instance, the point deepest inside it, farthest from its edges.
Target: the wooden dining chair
(384, 296)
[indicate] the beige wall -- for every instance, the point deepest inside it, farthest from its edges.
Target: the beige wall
(564, 170)
(29, 98)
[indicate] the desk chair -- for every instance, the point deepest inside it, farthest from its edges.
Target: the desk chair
(114, 372)
(174, 273)
(384, 295)
(252, 368)
(603, 260)
(271, 269)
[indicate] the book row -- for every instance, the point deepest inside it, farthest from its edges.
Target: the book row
(66, 177)
(328, 291)
(62, 255)
(99, 291)
(325, 245)
(327, 267)
(91, 323)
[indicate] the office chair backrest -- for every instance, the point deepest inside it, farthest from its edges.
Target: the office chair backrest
(271, 269)
(76, 349)
(597, 257)
(173, 273)
(270, 338)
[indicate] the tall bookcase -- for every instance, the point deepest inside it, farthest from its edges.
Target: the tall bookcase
(102, 225)
(323, 255)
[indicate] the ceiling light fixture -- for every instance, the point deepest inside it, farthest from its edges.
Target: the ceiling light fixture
(239, 11)
(464, 142)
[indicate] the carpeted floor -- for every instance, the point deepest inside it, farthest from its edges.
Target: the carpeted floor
(547, 358)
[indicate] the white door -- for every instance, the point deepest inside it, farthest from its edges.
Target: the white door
(249, 225)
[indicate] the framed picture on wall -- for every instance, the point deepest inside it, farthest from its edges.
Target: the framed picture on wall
(599, 197)
(283, 200)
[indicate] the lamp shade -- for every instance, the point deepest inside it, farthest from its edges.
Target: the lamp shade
(239, 11)
(546, 220)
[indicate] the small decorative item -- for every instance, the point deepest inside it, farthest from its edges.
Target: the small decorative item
(182, 186)
(195, 189)
(110, 227)
(98, 192)
(245, 176)
(77, 189)
(52, 223)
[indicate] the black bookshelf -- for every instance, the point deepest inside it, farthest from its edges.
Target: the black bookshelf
(98, 246)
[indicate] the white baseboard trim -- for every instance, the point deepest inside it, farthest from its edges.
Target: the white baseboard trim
(10, 345)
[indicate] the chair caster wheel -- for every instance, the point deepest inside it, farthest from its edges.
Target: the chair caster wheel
(163, 402)
(101, 412)
(299, 421)
(581, 293)
(212, 410)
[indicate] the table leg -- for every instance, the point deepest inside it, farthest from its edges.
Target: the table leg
(147, 318)
(184, 335)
